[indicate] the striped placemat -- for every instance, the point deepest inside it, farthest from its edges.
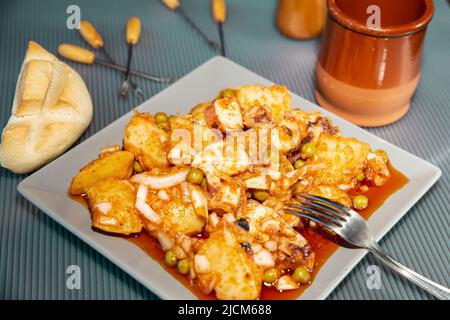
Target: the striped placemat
(35, 251)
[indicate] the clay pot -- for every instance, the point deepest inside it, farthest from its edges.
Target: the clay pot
(367, 73)
(301, 19)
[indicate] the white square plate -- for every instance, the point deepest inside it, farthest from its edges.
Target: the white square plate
(47, 187)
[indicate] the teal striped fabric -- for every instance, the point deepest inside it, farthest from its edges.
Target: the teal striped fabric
(35, 251)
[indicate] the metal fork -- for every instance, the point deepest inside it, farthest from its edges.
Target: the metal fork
(354, 233)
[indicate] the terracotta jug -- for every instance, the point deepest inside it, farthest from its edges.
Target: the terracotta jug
(367, 72)
(301, 19)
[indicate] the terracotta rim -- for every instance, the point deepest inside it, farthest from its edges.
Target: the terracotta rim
(390, 32)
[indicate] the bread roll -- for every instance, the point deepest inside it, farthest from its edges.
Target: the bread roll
(51, 109)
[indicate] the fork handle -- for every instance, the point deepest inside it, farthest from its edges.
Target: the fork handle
(433, 288)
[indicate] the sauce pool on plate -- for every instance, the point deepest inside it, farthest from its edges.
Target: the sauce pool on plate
(322, 246)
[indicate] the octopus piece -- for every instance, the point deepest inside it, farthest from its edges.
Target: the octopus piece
(275, 99)
(268, 228)
(224, 114)
(218, 158)
(228, 198)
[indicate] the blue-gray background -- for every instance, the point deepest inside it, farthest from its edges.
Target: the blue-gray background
(35, 251)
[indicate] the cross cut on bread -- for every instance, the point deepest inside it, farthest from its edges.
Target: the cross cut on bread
(51, 108)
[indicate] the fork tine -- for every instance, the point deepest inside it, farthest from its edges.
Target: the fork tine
(326, 202)
(320, 214)
(330, 210)
(313, 218)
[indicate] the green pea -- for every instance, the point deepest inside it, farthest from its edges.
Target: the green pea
(301, 275)
(194, 176)
(170, 258)
(161, 117)
(299, 163)
(360, 176)
(271, 275)
(308, 150)
(360, 202)
(228, 93)
(137, 167)
(183, 266)
(261, 195)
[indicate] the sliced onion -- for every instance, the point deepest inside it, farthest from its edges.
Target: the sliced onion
(283, 246)
(192, 274)
(371, 156)
(199, 201)
(299, 240)
(344, 187)
(185, 194)
(229, 217)
(202, 264)
(258, 182)
(179, 252)
(213, 219)
(264, 259)
(274, 174)
(110, 221)
(256, 247)
(142, 193)
(304, 182)
(290, 174)
(288, 231)
(271, 245)
(164, 240)
(270, 226)
(286, 283)
(231, 194)
(160, 182)
(162, 195)
(103, 207)
(147, 211)
(186, 244)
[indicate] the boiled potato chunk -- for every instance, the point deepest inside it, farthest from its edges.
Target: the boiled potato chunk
(147, 141)
(340, 159)
(333, 193)
(180, 217)
(116, 165)
(112, 206)
(233, 273)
